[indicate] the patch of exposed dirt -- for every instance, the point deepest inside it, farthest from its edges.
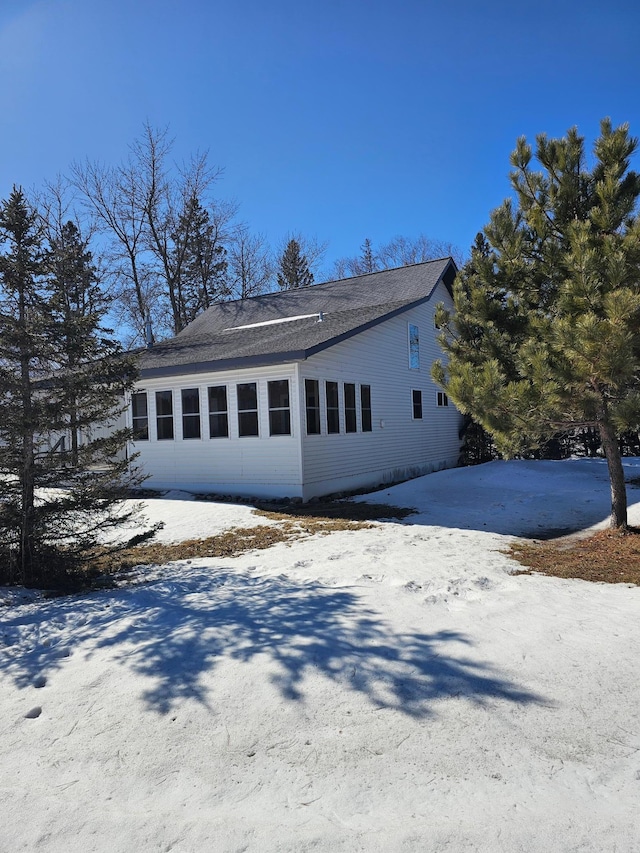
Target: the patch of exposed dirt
(609, 556)
(294, 522)
(345, 510)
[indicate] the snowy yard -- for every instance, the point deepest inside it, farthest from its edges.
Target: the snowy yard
(391, 689)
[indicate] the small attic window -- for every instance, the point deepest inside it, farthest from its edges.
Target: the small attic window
(414, 347)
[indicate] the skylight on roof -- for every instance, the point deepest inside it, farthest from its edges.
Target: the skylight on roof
(273, 322)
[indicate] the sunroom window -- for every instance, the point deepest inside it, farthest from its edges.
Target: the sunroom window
(190, 413)
(140, 416)
(247, 409)
(218, 412)
(349, 407)
(279, 411)
(312, 405)
(333, 410)
(164, 414)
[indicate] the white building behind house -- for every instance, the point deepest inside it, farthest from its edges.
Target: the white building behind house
(301, 393)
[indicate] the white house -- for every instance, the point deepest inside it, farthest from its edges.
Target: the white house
(301, 393)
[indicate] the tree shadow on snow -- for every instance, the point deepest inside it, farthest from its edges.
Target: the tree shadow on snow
(175, 632)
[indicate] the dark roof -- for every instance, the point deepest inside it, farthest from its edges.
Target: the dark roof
(216, 339)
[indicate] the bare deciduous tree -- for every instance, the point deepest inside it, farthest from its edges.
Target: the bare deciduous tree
(402, 251)
(251, 268)
(153, 211)
(399, 252)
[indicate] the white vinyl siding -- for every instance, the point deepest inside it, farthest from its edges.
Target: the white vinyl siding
(398, 446)
(262, 466)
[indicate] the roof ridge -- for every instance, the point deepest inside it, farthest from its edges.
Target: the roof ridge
(309, 287)
(386, 269)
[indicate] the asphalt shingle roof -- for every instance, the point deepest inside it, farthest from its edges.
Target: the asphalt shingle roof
(213, 341)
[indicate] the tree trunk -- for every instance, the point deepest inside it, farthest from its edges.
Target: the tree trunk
(26, 556)
(616, 472)
(73, 427)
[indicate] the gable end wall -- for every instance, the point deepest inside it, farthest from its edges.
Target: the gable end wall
(398, 447)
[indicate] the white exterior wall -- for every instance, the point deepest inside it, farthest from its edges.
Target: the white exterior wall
(263, 466)
(398, 447)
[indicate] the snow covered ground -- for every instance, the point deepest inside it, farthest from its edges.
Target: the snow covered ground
(393, 689)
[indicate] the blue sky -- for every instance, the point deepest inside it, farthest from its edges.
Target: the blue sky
(336, 118)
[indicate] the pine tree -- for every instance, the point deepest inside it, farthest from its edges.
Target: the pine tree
(293, 268)
(202, 265)
(368, 261)
(546, 330)
(62, 378)
(24, 350)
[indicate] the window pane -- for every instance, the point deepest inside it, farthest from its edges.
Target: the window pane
(139, 405)
(365, 407)
(417, 404)
(333, 414)
(414, 347)
(248, 423)
(190, 401)
(279, 394)
(218, 425)
(312, 402)
(164, 403)
(349, 395)
(218, 398)
(165, 428)
(191, 426)
(349, 407)
(247, 396)
(140, 429)
(280, 422)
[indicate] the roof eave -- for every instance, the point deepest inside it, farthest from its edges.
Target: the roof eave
(214, 365)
